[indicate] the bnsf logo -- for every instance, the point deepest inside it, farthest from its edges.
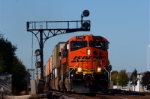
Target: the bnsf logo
(86, 58)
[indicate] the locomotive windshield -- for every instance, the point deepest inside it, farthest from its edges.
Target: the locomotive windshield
(78, 44)
(97, 44)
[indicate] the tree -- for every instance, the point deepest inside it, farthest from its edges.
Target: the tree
(114, 75)
(145, 81)
(12, 65)
(7, 51)
(1, 64)
(133, 78)
(19, 73)
(123, 78)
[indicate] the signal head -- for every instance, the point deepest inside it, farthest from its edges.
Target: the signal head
(85, 13)
(86, 25)
(37, 52)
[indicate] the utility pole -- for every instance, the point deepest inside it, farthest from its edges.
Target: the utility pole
(41, 27)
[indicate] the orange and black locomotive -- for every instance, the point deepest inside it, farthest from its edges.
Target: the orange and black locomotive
(82, 65)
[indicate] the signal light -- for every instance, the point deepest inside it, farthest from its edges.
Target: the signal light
(85, 13)
(86, 25)
(37, 64)
(37, 52)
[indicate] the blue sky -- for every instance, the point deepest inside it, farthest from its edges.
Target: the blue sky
(125, 23)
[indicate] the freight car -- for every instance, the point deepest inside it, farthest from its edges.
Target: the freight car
(80, 64)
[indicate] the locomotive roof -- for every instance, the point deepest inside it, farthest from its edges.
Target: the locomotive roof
(88, 35)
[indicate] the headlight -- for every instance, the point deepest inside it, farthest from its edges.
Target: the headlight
(88, 52)
(99, 69)
(79, 69)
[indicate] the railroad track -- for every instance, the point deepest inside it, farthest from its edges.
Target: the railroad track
(100, 96)
(111, 94)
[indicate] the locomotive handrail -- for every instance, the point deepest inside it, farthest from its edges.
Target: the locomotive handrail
(105, 69)
(72, 69)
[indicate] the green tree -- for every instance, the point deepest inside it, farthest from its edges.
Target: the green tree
(145, 78)
(20, 76)
(12, 65)
(7, 51)
(114, 75)
(123, 78)
(133, 78)
(1, 64)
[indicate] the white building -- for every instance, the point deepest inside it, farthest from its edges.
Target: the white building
(138, 87)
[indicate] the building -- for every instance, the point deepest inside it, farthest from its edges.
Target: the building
(138, 87)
